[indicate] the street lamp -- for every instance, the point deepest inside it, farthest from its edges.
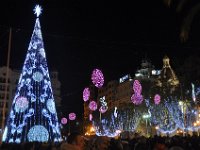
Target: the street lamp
(146, 117)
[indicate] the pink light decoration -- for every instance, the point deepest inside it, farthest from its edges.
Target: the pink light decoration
(93, 105)
(137, 99)
(86, 94)
(64, 120)
(103, 109)
(72, 116)
(157, 99)
(90, 117)
(97, 78)
(21, 104)
(137, 87)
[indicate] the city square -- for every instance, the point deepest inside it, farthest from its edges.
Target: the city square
(102, 86)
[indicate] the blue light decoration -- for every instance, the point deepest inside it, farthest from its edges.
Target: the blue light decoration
(38, 133)
(161, 115)
(110, 124)
(33, 115)
(193, 92)
(115, 112)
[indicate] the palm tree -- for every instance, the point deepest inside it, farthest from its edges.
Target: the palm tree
(181, 6)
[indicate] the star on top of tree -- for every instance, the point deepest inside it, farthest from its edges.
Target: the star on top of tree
(37, 10)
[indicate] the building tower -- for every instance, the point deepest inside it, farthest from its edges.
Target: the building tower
(167, 77)
(33, 115)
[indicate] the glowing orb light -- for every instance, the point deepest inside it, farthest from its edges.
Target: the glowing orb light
(93, 105)
(64, 120)
(137, 87)
(103, 109)
(21, 104)
(38, 133)
(157, 99)
(37, 76)
(137, 99)
(97, 78)
(72, 116)
(86, 94)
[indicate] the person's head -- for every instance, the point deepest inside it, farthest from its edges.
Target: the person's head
(76, 138)
(102, 142)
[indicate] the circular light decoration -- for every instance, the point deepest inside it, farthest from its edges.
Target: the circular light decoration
(72, 116)
(137, 99)
(37, 76)
(64, 120)
(90, 117)
(86, 94)
(137, 87)
(38, 133)
(157, 99)
(97, 78)
(93, 105)
(103, 109)
(21, 104)
(51, 106)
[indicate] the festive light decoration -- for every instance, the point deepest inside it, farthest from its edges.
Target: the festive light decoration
(90, 117)
(38, 133)
(183, 114)
(137, 87)
(38, 10)
(136, 99)
(33, 115)
(157, 99)
(115, 112)
(103, 103)
(103, 109)
(127, 119)
(193, 92)
(93, 105)
(37, 76)
(51, 106)
(197, 91)
(72, 116)
(21, 104)
(64, 120)
(161, 115)
(97, 78)
(86, 94)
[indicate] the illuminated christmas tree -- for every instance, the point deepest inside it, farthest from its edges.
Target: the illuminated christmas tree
(33, 115)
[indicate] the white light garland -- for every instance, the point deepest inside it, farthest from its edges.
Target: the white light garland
(51, 106)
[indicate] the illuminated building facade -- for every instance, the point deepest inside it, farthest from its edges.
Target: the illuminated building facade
(119, 92)
(110, 93)
(146, 71)
(167, 80)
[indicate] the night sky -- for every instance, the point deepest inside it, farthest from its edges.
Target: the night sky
(82, 35)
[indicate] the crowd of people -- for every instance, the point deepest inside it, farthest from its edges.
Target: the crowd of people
(76, 141)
